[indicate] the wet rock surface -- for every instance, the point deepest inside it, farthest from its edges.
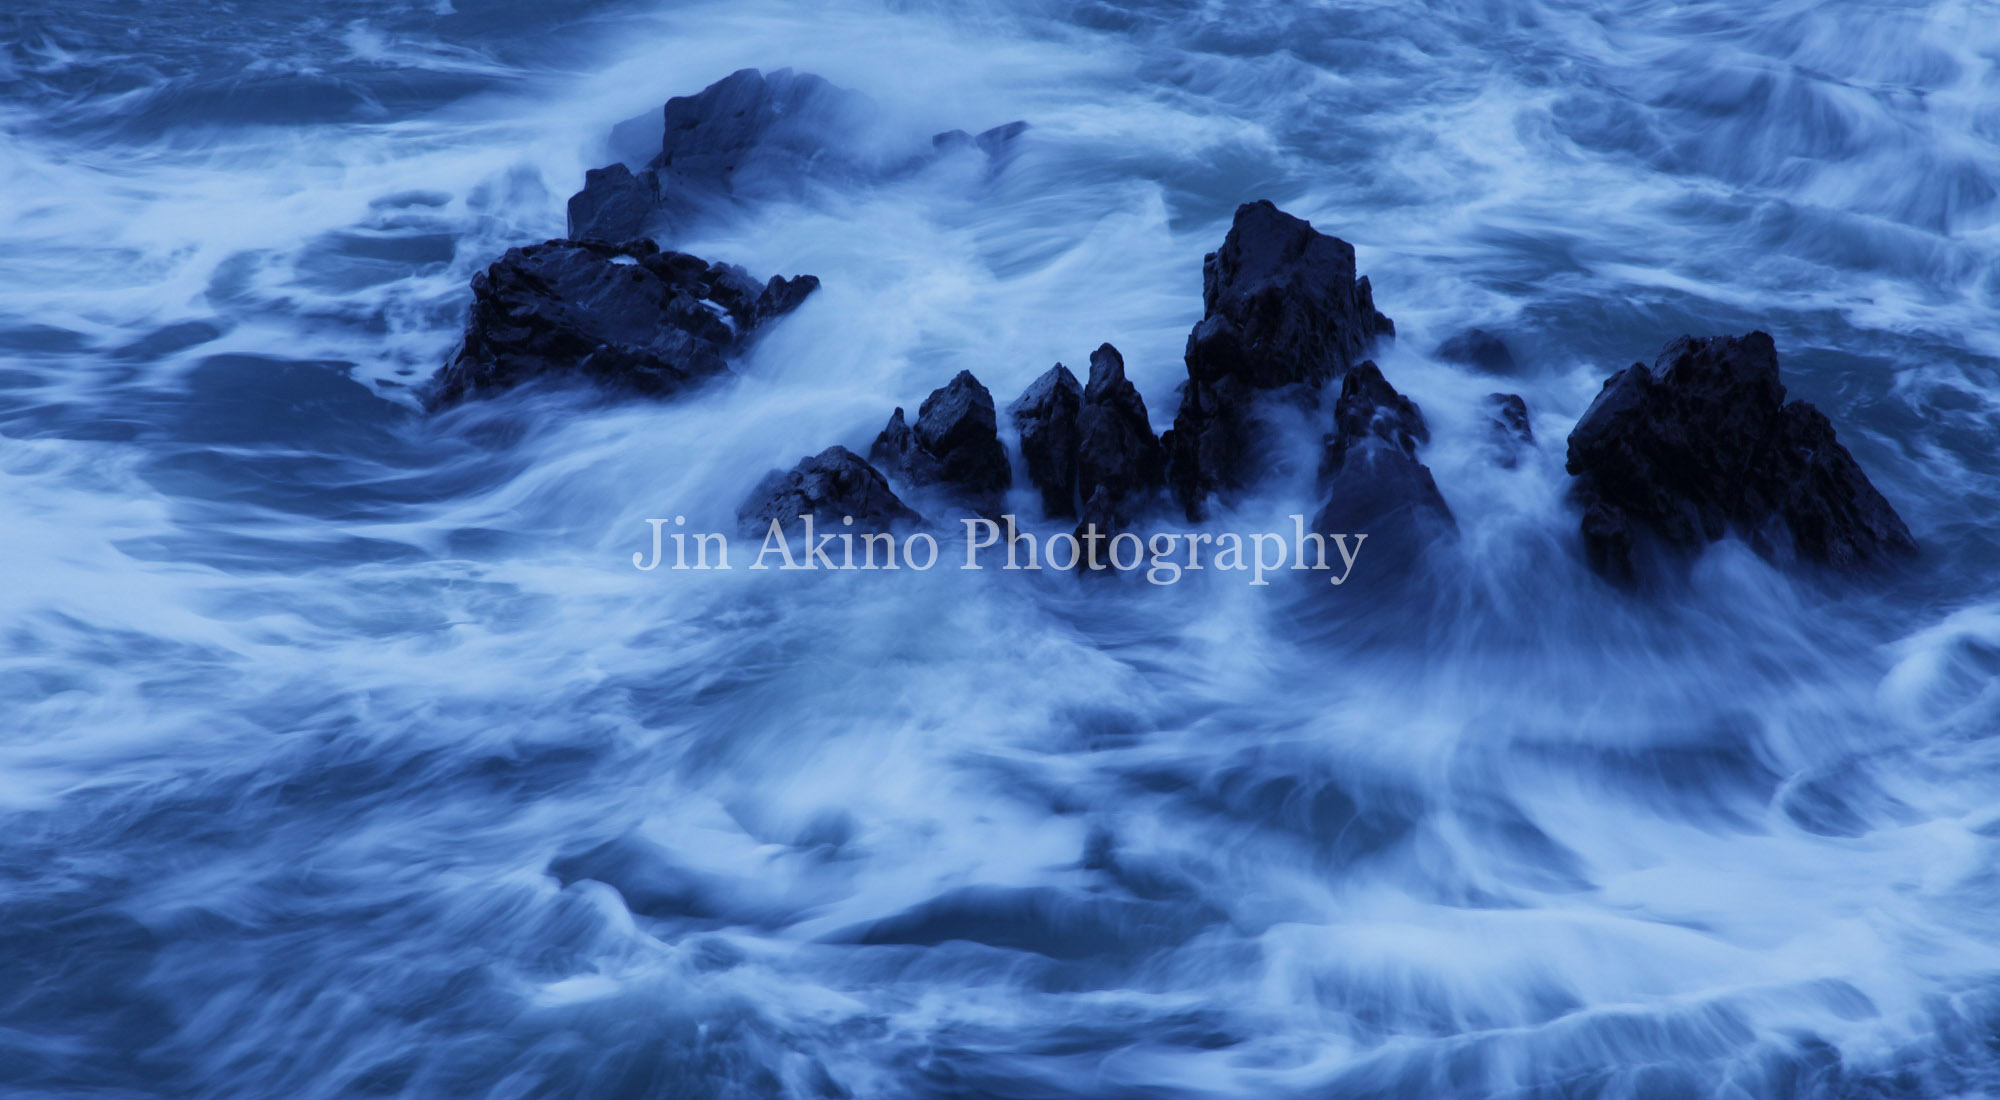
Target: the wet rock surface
(1046, 416)
(1372, 480)
(751, 136)
(954, 443)
(1703, 444)
(626, 315)
(829, 486)
(1120, 465)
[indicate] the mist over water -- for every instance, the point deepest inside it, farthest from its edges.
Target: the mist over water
(343, 752)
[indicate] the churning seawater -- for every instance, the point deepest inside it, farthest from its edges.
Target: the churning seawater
(343, 752)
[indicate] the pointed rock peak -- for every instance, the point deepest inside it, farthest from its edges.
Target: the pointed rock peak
(1057, 380)
(954, 410)
(1370, 406)
(1107, 372)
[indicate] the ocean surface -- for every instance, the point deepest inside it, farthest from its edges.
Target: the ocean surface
(343, 752)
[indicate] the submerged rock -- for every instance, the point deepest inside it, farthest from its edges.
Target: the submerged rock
(830, 486)
(996, 142)
(1374, 483)
(1119, 461)
(955, 442)
(629, 315)
(1046, 416)
(1702, 445)
(1508, 431)
(1281, 308)
(1476, 347)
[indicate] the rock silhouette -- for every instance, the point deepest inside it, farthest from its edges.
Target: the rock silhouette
(1281, 308)
(1702, 445)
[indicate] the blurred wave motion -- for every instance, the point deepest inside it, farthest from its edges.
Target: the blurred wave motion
(343, 751)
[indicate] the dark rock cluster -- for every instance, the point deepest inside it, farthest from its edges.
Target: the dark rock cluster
(1281, 309)
(1670, 458)
(629, 315)
(1703, 444)
(955, 443)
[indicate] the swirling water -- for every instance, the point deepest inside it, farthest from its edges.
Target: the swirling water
(345, 752)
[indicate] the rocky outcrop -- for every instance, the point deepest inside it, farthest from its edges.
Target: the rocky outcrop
(1478, 348)
(1508, 433)
(751, 136)
(1373, 481)
(1281, 308)
(830, 486)
(955, 443)
(1119, 462)
(628, 315)
(1702, 445)
(614, 205)
(1046, 416)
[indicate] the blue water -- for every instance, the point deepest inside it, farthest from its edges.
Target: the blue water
(343, 752)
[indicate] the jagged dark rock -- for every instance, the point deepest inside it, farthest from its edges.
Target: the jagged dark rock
(614, 205)
(955, 442)
(1118, 458)
(1702, 445)
(1373, 481)
(751, 136)
(1046, 415)
(630, 315)
(1508, 431)
(831, 485)
(1476, 347)
(896, 452)
(1281, 308)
